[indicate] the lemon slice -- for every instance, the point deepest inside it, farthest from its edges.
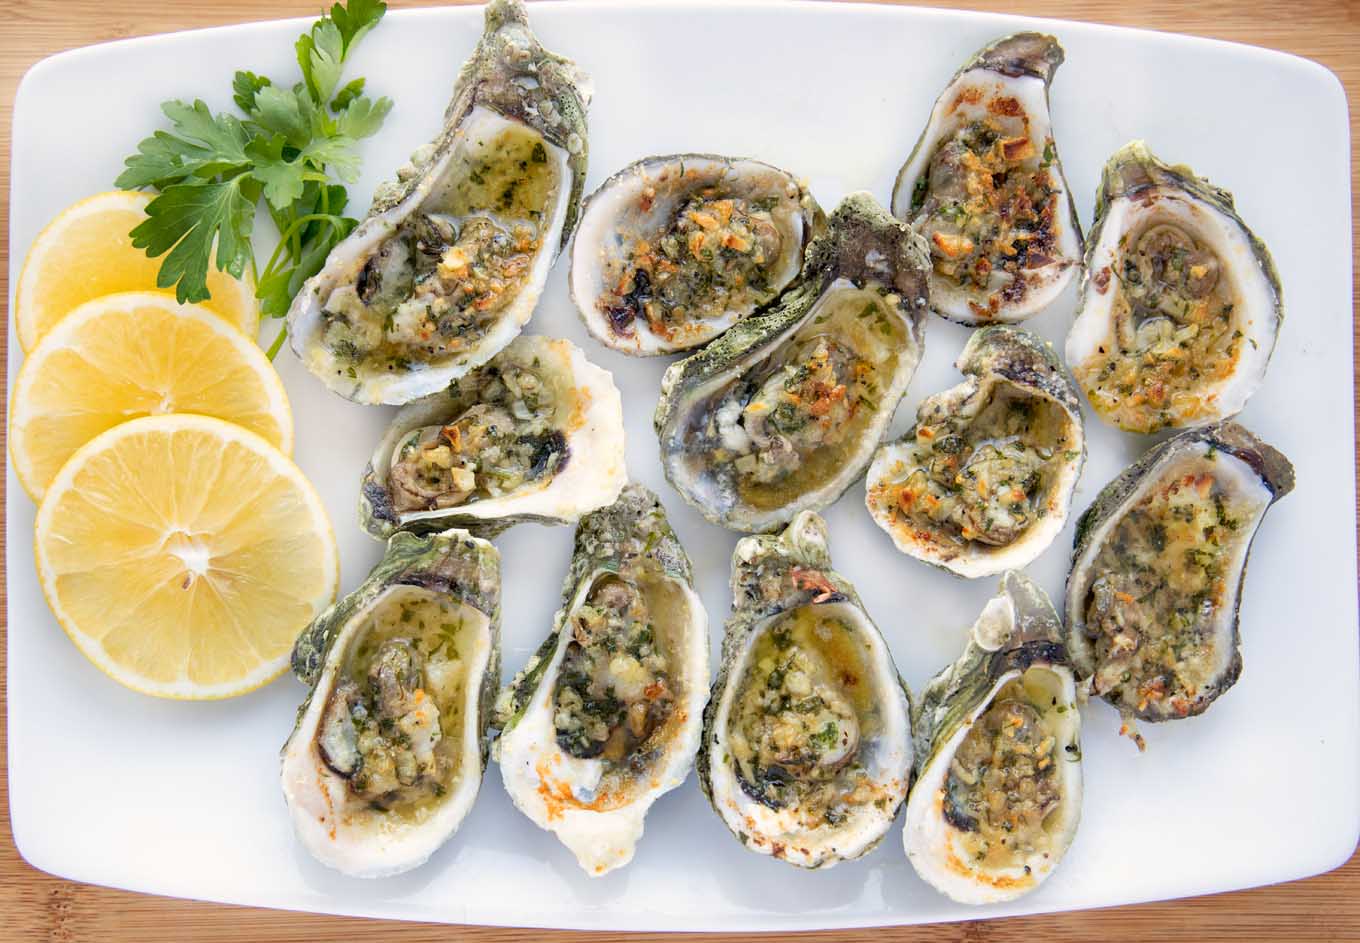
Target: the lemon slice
(136, 354)
(183, 555)
(86, 252)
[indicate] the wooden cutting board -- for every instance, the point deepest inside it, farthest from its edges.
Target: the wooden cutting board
(35, 906)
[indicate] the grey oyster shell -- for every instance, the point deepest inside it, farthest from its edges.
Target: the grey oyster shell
(865, 258)
(775, 578)
(596, 807)
(587, 415)
(1138, 194)
(1154, 557)
(510, 82)
(1004, 89)
(340, 829)
(642, 203)
(1001, 364)
(1017, 636)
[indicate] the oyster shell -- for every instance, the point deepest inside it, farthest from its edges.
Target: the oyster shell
(674, 250)
(389, 747)
(536, 434)
(984, 184)
(1180, 303)
(606, 716)
(452, 258)
(782, 413)
(1157, 571)
(998, 755)
(807, 750)
(983, 482)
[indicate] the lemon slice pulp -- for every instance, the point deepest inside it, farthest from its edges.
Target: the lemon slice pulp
(86, 252)
(183, 555)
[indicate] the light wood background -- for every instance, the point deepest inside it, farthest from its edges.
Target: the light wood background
(35, 906)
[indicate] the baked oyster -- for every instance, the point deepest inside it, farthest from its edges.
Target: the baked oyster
(807, 749)
(389, 747)
(998, 755)
(1157, 572)
(453, 255)
(782, 413)
(674, 250)
(984, 184)
(536, 434)
(606, 716)
(1180, 303)
(983, 482)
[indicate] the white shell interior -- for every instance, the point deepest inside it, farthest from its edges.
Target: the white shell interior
(613, 209)
(349, 836)
(888, 763)
(946, 117)
(933, 844)
(1254, 312)
(538, 774)
(1229, 470)
(305, 323)
(590, 413)
(980, 559)
(706, 488)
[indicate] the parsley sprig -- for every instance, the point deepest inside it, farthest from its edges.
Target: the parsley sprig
(290, 148)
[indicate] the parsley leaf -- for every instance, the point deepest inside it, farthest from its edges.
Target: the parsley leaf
(212, 170)
(186, 220)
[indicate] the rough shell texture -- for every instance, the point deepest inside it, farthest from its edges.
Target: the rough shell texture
(593, 473)
(775, 574)
(863, 244)
(952, 697)
(1133, 173)
(662, 183)
(630, 539)
(993, 354)
(1018, 630)
(1012, 60)
(607, 541)
(509, 75)
(1276, 474)
(362, 840)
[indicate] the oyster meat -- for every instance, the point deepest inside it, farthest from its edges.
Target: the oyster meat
(983, 482)
(535, 434)
(391, 742)
(606, 716)
(998, 779)
(1157, 571)
(1180, 303)
(674, 250)
(984, 184)
(807, 735)
(783, 412)
(452, 258)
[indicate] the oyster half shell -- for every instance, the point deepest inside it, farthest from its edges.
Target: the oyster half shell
(606, 716)
(782, 413)
(1180, 302)
(985, 185)
(998, 780)
(983, 482)
(1157, 571)
(389, 747)
(807, 735)
(453, 256)
(536, 434)
(674, 250)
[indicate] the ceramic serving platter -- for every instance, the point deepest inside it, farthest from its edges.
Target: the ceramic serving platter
(111, 787)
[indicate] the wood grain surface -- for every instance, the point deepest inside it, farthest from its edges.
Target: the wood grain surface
(36, 906)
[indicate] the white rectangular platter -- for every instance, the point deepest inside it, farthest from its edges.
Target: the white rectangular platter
(111, 787)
